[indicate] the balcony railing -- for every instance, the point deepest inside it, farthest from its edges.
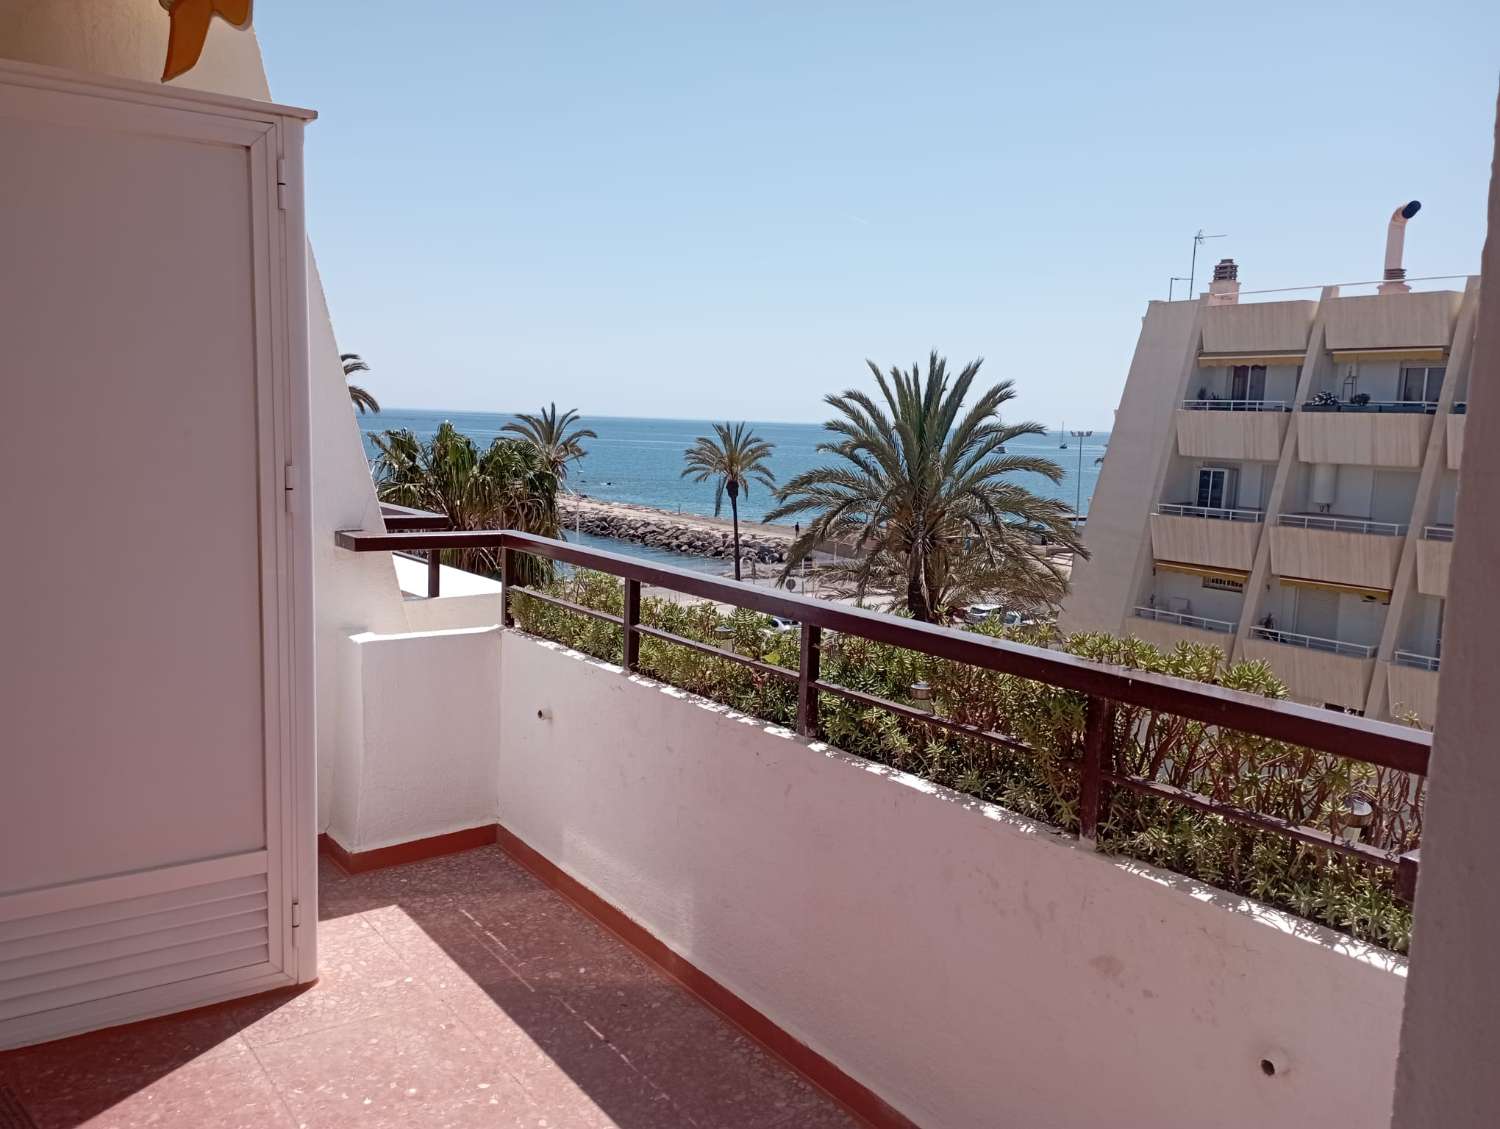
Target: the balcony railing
(1236, 406)
(1461, 408)
(1331, 524)
(1384, 407)
(1220, 626)
(1413, 659)
(1314, 642)
(1222, 513)
(1438, 533)
(1109, 693)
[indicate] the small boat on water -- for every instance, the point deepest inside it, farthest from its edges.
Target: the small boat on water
(1062, 433)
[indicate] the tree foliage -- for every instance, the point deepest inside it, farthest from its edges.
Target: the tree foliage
(362, 399)
(732, 457)
(505, 486)
(922, 490)
(556, 437)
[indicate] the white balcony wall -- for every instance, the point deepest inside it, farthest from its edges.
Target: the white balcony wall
(1392, 321)
(1363, 438)
(1367, 560)
(1411, 690)
(1213, 542)
(1258, 327)
(423, 714)
(1316, 677)
(972, 967)
(1165, 635)
(1231, 435)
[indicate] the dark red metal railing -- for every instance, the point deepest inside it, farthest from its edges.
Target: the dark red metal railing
(1107, 688)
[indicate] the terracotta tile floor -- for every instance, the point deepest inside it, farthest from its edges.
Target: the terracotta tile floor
(454, 992)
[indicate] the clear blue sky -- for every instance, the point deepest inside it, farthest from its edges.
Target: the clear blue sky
(720, 209)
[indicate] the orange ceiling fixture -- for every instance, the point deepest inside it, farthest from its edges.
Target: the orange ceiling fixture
(190, 20)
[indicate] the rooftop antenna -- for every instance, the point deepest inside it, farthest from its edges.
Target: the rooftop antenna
(1197, 242)
(1172, 284)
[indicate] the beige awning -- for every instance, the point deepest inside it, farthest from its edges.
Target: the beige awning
(1203, 570)
(1382, 594)
(1220, 360)
(1413, 353)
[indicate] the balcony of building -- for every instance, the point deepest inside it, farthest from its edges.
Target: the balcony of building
(1166, 629)
(1232, 429)
(1374, 407)
(1334, 549)
(1214, 537)
(1321, 639)
(1412, 686)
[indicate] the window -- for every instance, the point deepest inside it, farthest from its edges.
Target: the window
(1247, 382)
(1216, 487)
(1223, 584)
(1420, 384)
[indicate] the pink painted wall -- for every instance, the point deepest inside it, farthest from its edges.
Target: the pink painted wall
(1452, 1024)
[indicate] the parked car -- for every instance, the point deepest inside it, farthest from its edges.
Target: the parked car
(984, 613)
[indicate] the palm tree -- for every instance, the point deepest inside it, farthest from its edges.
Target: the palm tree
(507, 486)
(548, 433)
(928, 497)
(732, 460)
(353, 363)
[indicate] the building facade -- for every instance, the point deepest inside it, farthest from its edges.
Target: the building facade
(1281, 483)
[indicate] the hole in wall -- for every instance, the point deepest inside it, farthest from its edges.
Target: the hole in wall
(1268, 1068)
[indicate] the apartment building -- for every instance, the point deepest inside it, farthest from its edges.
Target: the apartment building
(1281, 484)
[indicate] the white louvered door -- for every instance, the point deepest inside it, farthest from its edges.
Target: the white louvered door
(156, 828)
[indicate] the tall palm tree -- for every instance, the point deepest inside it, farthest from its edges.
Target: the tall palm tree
(925, 492)
(549, 433)
(362, 399)
(732, 460)
(506, 486)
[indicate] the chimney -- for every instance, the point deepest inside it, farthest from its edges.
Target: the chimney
(1395, 243)
(1224, 290)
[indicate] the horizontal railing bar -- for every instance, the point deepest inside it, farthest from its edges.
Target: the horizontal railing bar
(1236, 406)
(565, 605)
(1219, 626)
(874, 701)
(1332, 524)
(1374, 742)
(1235, 814)
(1438, 533)
(717, 652)
(404, 519)
(1311, 643)
(1221, 513)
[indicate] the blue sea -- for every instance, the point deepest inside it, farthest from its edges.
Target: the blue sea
(640, 460)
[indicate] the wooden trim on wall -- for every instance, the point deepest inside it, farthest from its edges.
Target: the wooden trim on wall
(356, 862)
(853, 1095)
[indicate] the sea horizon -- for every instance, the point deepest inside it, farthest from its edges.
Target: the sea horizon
(638, 459)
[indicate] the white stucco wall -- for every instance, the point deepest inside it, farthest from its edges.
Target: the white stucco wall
(970, 966)
(1140, 446)
(423, 734)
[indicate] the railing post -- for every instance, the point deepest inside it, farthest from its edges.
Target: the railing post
(1091, 773)
(434, 573)
(1406, 876)
(808, 672)
(504, 586)
(632, 621)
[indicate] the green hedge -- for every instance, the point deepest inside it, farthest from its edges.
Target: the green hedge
(1266, 776)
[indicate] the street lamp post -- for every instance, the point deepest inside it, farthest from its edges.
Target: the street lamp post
(1078, 497)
